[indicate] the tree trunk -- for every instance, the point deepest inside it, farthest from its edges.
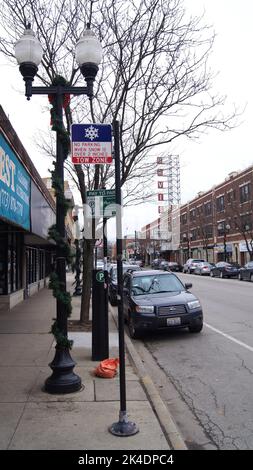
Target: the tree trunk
(87, 269)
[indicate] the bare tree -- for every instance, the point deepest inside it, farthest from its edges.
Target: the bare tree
(240, 219)
(154, 79)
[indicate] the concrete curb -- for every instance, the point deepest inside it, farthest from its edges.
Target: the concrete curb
(165, 419)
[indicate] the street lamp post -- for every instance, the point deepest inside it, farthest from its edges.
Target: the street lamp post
(28, 51)
(187, 238)
(225, 229)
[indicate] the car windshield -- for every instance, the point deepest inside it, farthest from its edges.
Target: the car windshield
(156, 284)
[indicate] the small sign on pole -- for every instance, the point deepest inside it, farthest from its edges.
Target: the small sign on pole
(91, 144)
(102, 203)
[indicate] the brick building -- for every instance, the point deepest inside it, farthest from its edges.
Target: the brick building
(216, 225)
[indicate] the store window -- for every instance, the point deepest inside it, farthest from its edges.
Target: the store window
(3, 264)
(10, 260)
(31, 265)
(14, 262)
(41, 264)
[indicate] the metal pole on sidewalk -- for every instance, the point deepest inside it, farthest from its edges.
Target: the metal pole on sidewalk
(123, 427)
(63, 379)
(105, 247)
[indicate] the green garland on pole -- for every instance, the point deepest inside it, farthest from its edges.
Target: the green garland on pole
(58, 186)
(56, 124)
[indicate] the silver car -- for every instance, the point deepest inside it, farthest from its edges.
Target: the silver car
(190, 265)
(203, 269)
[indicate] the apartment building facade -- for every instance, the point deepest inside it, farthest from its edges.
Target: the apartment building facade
(216, 225)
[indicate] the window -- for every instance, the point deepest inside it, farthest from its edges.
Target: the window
(246, 222)
(41, 264)
(192, 214)
(14, 264)
(208, 208)
(194, 234)
(3, 263)
(245, 193)
(231, 196)
(220, 204)
(126, 282)
(31, 265)
(199, 210)
(208, 231)
(184, 219)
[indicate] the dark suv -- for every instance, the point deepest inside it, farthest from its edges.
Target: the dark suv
(156, 300)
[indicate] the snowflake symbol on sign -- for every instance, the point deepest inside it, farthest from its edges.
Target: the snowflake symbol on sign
(91, 133)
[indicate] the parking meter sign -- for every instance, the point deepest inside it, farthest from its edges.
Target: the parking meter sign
(100, 276)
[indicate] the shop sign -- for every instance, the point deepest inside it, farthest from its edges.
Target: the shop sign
(243, 247)
(42, 215)
(219, 248)
(15, 188)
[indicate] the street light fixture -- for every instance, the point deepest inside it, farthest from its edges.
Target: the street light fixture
(225, 229)
(29, 52)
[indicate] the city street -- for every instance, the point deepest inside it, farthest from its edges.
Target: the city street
(213, 371)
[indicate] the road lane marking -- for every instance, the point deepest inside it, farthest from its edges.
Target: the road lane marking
(246, 346)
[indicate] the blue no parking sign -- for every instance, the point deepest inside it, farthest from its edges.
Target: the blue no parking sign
(91, 144)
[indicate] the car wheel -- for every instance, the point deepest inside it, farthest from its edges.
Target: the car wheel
(133, 332)
(195, 328)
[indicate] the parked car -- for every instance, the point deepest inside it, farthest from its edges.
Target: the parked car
(156, 262)
(190, 265)
(224, 269)
(138, 262)
(157, 300)
(203, 269)
(164, 265)
(246, 272)
(113, 280)
(173, 266)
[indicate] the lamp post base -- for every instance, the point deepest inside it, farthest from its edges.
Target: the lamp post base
(63, 379)
(123, 427)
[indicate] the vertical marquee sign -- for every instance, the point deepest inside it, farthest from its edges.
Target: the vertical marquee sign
(161, 184)
(91, 144)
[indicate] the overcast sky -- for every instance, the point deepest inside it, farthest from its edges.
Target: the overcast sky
(204, 162)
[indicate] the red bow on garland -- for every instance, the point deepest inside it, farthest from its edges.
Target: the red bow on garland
(66, 102)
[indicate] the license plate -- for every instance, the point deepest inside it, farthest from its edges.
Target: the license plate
(173, 321)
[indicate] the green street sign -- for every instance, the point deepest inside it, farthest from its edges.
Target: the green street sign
(102, 202)
(100, 276)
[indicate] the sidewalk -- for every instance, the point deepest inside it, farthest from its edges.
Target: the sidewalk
(32, 419)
